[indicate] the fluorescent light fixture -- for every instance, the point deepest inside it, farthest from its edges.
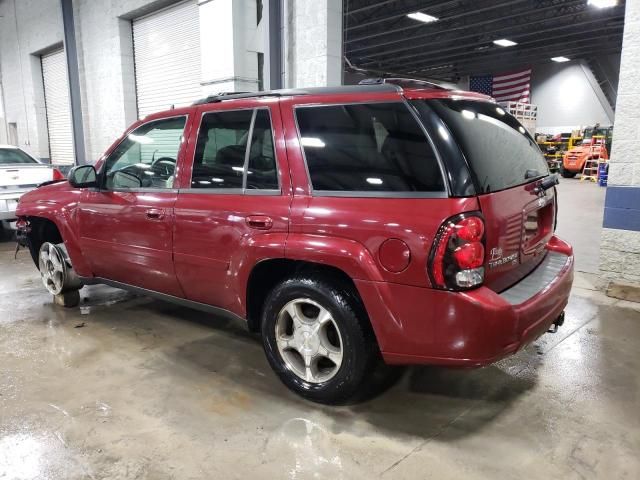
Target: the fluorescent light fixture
(560, 59)
(374, 181)
(603, 3)
(312, 142)
(503, 42)
(422, 17)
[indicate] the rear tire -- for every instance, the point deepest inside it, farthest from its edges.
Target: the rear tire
(567, 173)
(318, 340)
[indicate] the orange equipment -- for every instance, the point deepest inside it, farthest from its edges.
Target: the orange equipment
(593, 148)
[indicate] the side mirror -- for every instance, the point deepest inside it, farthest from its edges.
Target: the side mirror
(126, 180)
(83, 176)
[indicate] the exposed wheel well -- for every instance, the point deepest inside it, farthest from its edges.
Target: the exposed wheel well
(42, 230)
(268, 273)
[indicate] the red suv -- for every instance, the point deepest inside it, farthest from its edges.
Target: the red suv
(389, 221)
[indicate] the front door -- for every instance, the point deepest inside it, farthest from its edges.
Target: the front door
(127, 224)
(234, 210)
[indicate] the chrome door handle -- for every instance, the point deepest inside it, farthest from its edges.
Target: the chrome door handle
(259, 222)
(155, 214)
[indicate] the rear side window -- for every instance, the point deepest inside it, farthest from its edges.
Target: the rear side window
(220, 151)
(377, 147)
(12, 156)
(262, 172)
(499, 150)
(221, 160)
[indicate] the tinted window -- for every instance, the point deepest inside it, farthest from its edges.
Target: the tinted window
(147, 157)
(11, 156)
(376, 147)
(262, 172)
(497, 147)
(221, 148)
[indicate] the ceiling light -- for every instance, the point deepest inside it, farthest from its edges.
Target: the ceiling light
(374, 181)
(422, 17)
(603, 3)
(503, 42)
(560, 59)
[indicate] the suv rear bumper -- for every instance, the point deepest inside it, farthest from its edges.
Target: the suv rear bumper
(417, 325)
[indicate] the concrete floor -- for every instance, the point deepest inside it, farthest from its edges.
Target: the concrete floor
(131, 388)
(581, 207)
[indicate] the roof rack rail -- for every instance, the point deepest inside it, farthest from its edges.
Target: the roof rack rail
(401, 82)
(219, 97)
(363, 87)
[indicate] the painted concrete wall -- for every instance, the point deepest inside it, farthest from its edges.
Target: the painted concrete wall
(313, 43)
(106, 64)
(28, 28)
(567, 98)
(620, 244)
(4, 134)
(230, 42)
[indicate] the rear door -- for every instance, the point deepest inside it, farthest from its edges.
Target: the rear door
(507, 167)
(234, 208)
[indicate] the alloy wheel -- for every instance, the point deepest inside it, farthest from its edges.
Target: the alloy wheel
(309, 340)
(53, 268)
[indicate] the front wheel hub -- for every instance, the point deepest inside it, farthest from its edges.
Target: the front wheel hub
(55, 270)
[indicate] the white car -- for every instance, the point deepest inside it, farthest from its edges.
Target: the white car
(19, 173)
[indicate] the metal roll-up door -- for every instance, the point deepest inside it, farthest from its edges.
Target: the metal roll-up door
(58, 108)
(167, 58)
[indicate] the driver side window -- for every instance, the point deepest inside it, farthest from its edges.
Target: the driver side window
(147, 157)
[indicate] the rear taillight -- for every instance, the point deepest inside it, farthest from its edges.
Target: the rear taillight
(457, 257)
(57, 174)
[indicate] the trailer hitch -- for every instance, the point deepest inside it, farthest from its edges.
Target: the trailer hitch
(557, 323)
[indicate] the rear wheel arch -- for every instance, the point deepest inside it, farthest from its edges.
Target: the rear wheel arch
(267, 274)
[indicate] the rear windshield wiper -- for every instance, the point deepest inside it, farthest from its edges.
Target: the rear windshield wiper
(549, 182)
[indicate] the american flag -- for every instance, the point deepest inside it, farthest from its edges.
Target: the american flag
(505, 87)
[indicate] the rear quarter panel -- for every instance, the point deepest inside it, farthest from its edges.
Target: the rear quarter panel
(347, 232)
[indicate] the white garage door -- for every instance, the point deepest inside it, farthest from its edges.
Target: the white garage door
(58, 108)
(167, 58)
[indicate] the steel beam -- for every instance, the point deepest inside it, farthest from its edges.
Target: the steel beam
(71, 52)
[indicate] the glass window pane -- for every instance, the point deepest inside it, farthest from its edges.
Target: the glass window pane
(11, 156)
(263, 171)
(221, 148)
(147, 156)
(498, 148)
(377, 147)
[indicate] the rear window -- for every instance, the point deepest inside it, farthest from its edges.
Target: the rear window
(377, 147)
(12, 156)
(499, 150)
